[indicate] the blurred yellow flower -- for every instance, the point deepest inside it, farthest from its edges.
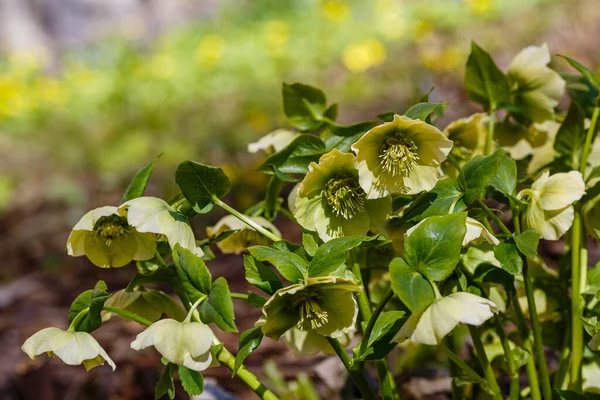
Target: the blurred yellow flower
(210, 50)
(392, 23)
(163, 66)
(335, 10)
(479, 6)
(51, 91)
(361, 56)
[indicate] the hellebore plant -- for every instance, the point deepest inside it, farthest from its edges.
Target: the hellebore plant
(410, 234)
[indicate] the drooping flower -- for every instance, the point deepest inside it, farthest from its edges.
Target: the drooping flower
(73, 348)
(151, 214)
(468, 136)
(324, 305)
(182, 343)
(150, 304)
(476, 233)
(520, 141)
(274, 141)
(243, 236)
(401, 156)
(331, 202)
(550, 211)
(441, 317)
(536, 89)
(108, 240)
(308, 342)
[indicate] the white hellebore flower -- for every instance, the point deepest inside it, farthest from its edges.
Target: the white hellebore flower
(73, 348)
(440, 318)
(151, 214)
(182, 343)
(550, 211)
(105, 237)
(476, 233)
(274, 141)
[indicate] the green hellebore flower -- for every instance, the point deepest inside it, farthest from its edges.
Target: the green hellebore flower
(536, 89)
(550, 211)
(274, 141)
(108, 240)
(468, 136)
(441, 317)
(520, 141)
(309, 342)
(401, 156)
(150, 304)
(325, 305)
(151, 214)
(182, 343)
(331, 202)
(73, 348)
(243, 236)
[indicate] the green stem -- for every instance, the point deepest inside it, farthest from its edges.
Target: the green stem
(367, 334)
(458, 392)
(127, 314)
(246, 220)
(532, 374)
(587, 147)
(357, 375)
(179, 202)
(494, 217)
(537, 335)
(161, 261)
(576, 304)
(364, 305)
(468, 370)
(188, 317)
(273, 188)
(489, 143)
(228, 359)
(78, 318)
(563, 364)
(484, 362)
(513, 373)
(241, 296)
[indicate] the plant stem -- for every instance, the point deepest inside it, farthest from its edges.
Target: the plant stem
(587, 147)
(192, 309)
(357, 375)
(458, 392)
(494, 217)
(484, 362)
(241, 296)
(246, 220)
(576, 304)
(489, 143)
(127, 314)
(77, 318)
(273, 188)
(532, 374)
(227, 359)
(468, 370)
(159, 258)
(513, 373)
(364, 305)
(373, 318)
(537, 334)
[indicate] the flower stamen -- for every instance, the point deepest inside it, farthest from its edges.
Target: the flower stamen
(398, 155)
(311, 315)
(345, 196)
(111, 227)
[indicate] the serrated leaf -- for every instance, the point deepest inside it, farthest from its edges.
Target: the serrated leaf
(484, 82)
(410, 286)
(304, 106)
(191, 381)
(199, 183)
(138, 184)
(476, 175)
(446, 193)
(583, 70)
(94, 300)
(505, 178)
(218, 307)
(527, 242)
(295, 157)
(422, 111)
(249, 341)
(261, 276)
(165, 385)
(290, 265)
(384, 330)
(192, 272)
(433, 248)
(508, 256)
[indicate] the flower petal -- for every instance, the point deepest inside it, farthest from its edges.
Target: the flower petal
(561, 190)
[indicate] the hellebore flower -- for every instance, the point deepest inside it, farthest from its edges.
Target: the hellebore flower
(182, 343)
(402, 156)
(324, 305)
(149, 304)
(536, 89)
(476, 233)
(151, 214)
(468, 136)
(243, 236)
(73, 348)
(549, 211)
(441, 317)
(274, 141)
(330, 200)
(309, 342)
(108, 240)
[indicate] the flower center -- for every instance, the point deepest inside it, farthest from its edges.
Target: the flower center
(398, 155)
(311, 314)
(111, 227)
(345, 196)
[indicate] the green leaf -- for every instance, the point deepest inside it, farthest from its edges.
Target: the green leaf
(570, 137)
(94, 300)
(342, 143)
(249, 341)
(352, 130)
(446, 193)
(384, 330)
(165, 304)
(165, 385)
(422, 111)
(218, 307)
(410, 286)
(527, 243)
(505, 177)
(200, 182)
(331, 112)
(582, 92)
(332, 254)
(508, 256)
(192, 272)
(290, 265)
(487, 273)
(387, 116)
(191, 381)
(433, 248)
(261, 276)
(309, 241)
(583, 70)
(594, 173)
(138, 184)
(476, 175)
(256, 300)
(484, 82)
(295, 157)
(304, 106)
